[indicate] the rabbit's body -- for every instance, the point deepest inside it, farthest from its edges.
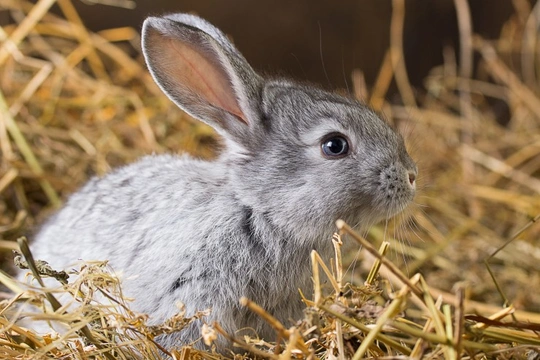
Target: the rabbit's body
(148, 212)
(296, 159)
(138, 231)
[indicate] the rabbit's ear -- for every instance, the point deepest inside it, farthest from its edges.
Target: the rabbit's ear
(202, 72)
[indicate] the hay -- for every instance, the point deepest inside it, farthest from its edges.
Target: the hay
(75, 103)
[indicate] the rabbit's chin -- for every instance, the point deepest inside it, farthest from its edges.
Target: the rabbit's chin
(398, 209)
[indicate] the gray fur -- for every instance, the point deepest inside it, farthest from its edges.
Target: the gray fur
(207, 233)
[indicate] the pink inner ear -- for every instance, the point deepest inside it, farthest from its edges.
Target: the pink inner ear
(204, 77)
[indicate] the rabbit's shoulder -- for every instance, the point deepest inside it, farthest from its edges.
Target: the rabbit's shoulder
(146, 183)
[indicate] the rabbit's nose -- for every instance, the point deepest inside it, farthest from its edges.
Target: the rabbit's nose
(412, 179)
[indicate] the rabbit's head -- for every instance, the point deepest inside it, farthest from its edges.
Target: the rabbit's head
(301, 156)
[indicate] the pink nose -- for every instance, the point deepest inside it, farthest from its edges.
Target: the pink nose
(412, 178)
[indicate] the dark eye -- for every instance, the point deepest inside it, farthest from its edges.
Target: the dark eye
(335, 146)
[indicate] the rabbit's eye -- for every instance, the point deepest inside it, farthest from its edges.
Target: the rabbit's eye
(335, 146)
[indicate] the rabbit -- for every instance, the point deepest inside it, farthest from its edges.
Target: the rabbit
(295, 159)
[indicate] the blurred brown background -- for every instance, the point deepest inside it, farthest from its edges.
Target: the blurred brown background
(295, 37)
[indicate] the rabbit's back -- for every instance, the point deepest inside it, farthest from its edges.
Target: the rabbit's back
(122, 205)
(135, 216)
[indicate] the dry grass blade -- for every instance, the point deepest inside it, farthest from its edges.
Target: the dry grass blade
(392, 310)
(501, 72)
(24, 28)
(396, 52)
(243, 344)
(379, 336)
(26, 151)
(342, 226)
(373, 273)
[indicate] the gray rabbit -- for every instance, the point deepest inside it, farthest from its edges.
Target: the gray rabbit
(296, 159)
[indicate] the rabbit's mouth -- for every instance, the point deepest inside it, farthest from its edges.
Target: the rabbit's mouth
(363, 217)
(396, 203)
(398, 208)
